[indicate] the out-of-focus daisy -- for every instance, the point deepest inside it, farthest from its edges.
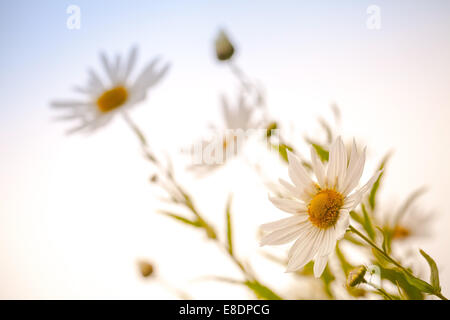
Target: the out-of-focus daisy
(320, 208)
(226, 141)
(241, 116)
(415, 223)
(115, 93)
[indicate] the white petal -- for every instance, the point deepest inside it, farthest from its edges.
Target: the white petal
(351, 201)
(354, 172)
(284, 235)
(295, 192)
(300, 241)
(298, 174)
(107, 66)
(94, 81)
(318, 167)
(370, 183)
(329, 243)
(305, 250)
(342, 163)
(319, 265)
(333, 163)
(283, 223)
(69, 104)
(291, 190)
(130, 64)
(342, 224)
(116, 69)
(149, 76)
(288, 205)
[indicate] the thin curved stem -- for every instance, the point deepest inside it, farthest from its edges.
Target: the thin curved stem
(186, 198)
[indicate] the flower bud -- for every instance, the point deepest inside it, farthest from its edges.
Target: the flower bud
(145, 268)
(224, 48)
(356, 276)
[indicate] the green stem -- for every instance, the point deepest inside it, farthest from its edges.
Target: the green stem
(187, 200)
(388, 257)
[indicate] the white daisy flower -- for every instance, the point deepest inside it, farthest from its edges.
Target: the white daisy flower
(116, 93)
(320, 208)
(240, 117)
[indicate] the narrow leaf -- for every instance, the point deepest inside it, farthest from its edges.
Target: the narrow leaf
(194, 223)
(387, 237)
(398, 278)
(229, 227)
(282, 150)
(367, 224)
(261, 291)
(321, 151)
(376, 185)
(419, 284)
(434, 277)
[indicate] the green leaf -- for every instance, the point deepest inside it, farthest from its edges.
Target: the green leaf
(261, 291)
(434, 277)
(357, 217)
(229, 227)
(387, 238)
(398, 278)
(282, 150)
(367, 224)
(321, 151)
(194, 223)
(376, 185)
(327, 278)
(381, 258)
(419, 284)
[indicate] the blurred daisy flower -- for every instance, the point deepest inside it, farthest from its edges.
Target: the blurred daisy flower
(320, 209)
(415, 223)
(226, 141)
(115, 93)
(240, 117)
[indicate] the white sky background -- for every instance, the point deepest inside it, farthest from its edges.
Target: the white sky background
(76, 212)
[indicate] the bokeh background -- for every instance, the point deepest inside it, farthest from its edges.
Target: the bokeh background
(76, 212)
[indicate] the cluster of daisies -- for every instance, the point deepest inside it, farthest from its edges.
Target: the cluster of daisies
(320, 207)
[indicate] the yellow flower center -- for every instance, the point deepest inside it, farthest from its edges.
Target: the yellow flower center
(324, 208)
(112, 99)
(400, 232)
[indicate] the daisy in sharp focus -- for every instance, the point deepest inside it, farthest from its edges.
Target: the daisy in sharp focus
(320, 209)
(115, 93)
